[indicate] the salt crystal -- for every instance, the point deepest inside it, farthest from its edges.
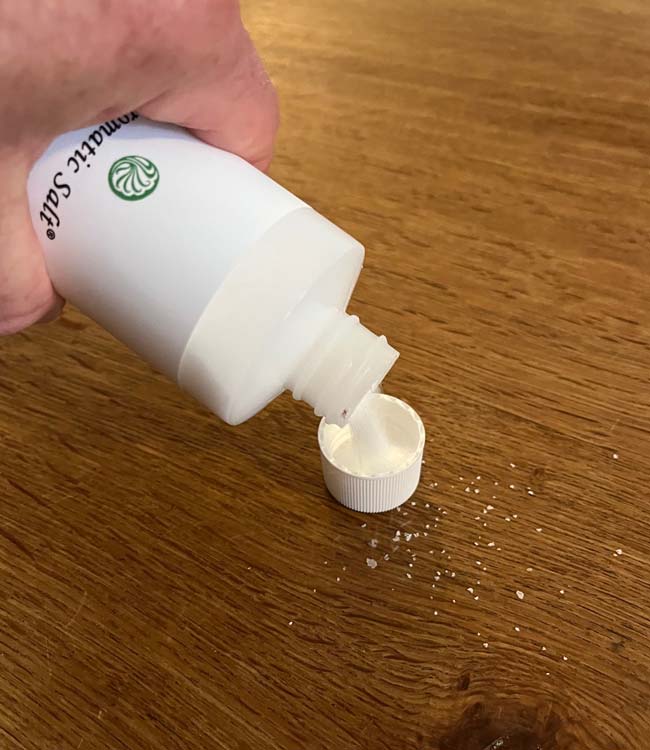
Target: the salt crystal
(435, 612)
(517, 628)
(507, 518)
(408, 575)
(290, 622)
(520, 595)
(614, 455)
(471, 590)
(337, 579)
(427, 505)
(373, 543)
(490, 544)
(513, 466)
(476, 491)
(512, 486)
(485, 645)
(561, 591)
(539, 530)
(489, 507)
(466, 489)
(530, 492)
(413, 502)
(363, 525)
(476, 598)
(529, 570)
(619, 551)
(565, 658)
(543, 648)
(370, 562)
(408, 536)
(514, 515)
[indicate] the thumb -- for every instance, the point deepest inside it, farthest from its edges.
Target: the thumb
(232, 105)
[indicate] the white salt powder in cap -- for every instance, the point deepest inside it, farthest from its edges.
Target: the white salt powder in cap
(373, 463)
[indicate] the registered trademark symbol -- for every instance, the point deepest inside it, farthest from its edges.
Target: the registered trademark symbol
(50, 234)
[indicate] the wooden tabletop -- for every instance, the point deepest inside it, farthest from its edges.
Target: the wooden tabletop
(170, 582)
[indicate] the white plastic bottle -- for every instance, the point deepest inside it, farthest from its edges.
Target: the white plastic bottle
(211, 271)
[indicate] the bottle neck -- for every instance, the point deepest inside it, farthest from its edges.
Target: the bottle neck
(345, 362)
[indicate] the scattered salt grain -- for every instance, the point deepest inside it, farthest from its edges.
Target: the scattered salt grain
(408, 536)
(565, 658)
(615, 455)
(373, 543)
(530, 492)
(618, 552)
(338, 579)
(290, 622)
(520, 595)
(543, 648)
(490, 544)
(408, 575)
(539, 530)
(476, 491)
(476, 598)
(512, 486)
(489, 507)
(513, 466)
(371, 563)
(485, 645)
(466, 489)
(363, 525)
(562, 591)
(517, 628)
(529, 570)
(470, 589)
(435, 612)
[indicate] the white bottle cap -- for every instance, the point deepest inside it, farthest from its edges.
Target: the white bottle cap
(373, 464)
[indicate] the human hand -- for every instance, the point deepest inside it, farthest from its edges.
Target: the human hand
(64, 65)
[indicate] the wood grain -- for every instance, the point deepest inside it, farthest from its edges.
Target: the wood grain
(169, 582)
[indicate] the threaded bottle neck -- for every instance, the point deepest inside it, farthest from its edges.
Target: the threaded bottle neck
(345, 362)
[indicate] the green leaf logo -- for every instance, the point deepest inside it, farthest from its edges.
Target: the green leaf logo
(133, 178)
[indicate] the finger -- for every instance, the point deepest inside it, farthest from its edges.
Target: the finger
(26, 294)
(233, 105)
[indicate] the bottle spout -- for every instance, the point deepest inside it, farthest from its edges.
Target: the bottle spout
(345, 363)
